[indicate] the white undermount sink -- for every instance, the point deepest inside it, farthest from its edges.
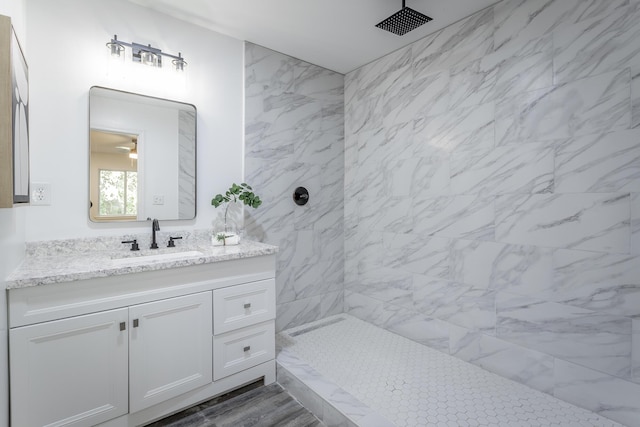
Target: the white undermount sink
(144, 259)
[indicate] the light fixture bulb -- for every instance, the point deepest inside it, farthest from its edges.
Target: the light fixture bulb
(115, 46)
(179, 62)
(149, 58)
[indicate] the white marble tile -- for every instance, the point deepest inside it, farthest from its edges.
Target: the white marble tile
(317, 279)
(364, 307)
(599, 163)
(317, 82)
(310, 400)
(605, 395)
(396, 88)
(319, 210)
(187, 162)
(635, 351)
(262, 143)
(500, 266)
(635, 223)
(379, 145)
(520, 20)
(336, 402)
(472, 83)
(414, 254)
(424, 175)
(594, 222)
(598, 45)
(514, 168)
(517, 363)
(635, 101)
(267, 69)
(522, 68)
(457, 303)
(591, 339)
(364, 114)
(418, 327)
(362, 245)
(298, 312)
(385, 284)
(463, 41)
(429, 96)
(332, 117)
(376, 77)
(590, 105)
(332, 303)
(330, 243)
(391, 214)
(459, 128)
(274, 216)
(608, 283)
(273, 177)
(290, 110)
(468, 217)
(317, 148)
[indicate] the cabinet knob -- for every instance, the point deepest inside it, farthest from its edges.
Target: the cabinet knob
(247, 348)
(123, 326)
(135, 323)
(247, 305)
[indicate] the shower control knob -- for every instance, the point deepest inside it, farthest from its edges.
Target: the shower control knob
(301, 196)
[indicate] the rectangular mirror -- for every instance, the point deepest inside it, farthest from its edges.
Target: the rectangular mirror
(142, 157)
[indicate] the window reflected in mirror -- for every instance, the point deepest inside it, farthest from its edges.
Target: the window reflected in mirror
(114, 168)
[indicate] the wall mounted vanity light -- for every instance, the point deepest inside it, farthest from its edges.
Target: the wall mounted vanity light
(145, 54)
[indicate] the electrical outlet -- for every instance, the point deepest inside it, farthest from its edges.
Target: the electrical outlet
(41, 194)
(158, 200)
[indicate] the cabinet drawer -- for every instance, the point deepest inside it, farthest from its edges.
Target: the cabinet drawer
(236, 307)
(238, 350)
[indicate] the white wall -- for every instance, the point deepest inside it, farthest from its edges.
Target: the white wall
(12, 230)
(68, 55)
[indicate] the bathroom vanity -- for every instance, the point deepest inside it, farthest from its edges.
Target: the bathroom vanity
(122, 340)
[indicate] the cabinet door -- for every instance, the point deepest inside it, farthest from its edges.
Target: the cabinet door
(170, 348)
(70, 372)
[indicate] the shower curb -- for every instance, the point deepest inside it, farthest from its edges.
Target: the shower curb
(334, 406)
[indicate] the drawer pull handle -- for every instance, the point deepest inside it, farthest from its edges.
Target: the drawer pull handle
(135, 323)
(123, 326)
(247, 348)
(247, 305)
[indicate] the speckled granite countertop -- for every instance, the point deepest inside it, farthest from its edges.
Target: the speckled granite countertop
(79, 259)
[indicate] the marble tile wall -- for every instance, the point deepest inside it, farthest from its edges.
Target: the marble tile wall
(294, 136)
(186, 160)
(493, 174)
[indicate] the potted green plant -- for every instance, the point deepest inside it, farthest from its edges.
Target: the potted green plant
(236, 193)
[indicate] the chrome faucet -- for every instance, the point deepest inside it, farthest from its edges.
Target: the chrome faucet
(155, 226)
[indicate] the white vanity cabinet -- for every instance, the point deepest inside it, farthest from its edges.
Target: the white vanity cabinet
(70, 372)
(169, 349)
(127, 350)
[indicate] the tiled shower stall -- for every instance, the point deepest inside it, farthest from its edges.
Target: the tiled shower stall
(491, 193)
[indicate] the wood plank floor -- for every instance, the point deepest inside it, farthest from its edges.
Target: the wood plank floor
(254, 405)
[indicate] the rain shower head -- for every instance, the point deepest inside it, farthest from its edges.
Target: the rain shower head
(403, 21)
